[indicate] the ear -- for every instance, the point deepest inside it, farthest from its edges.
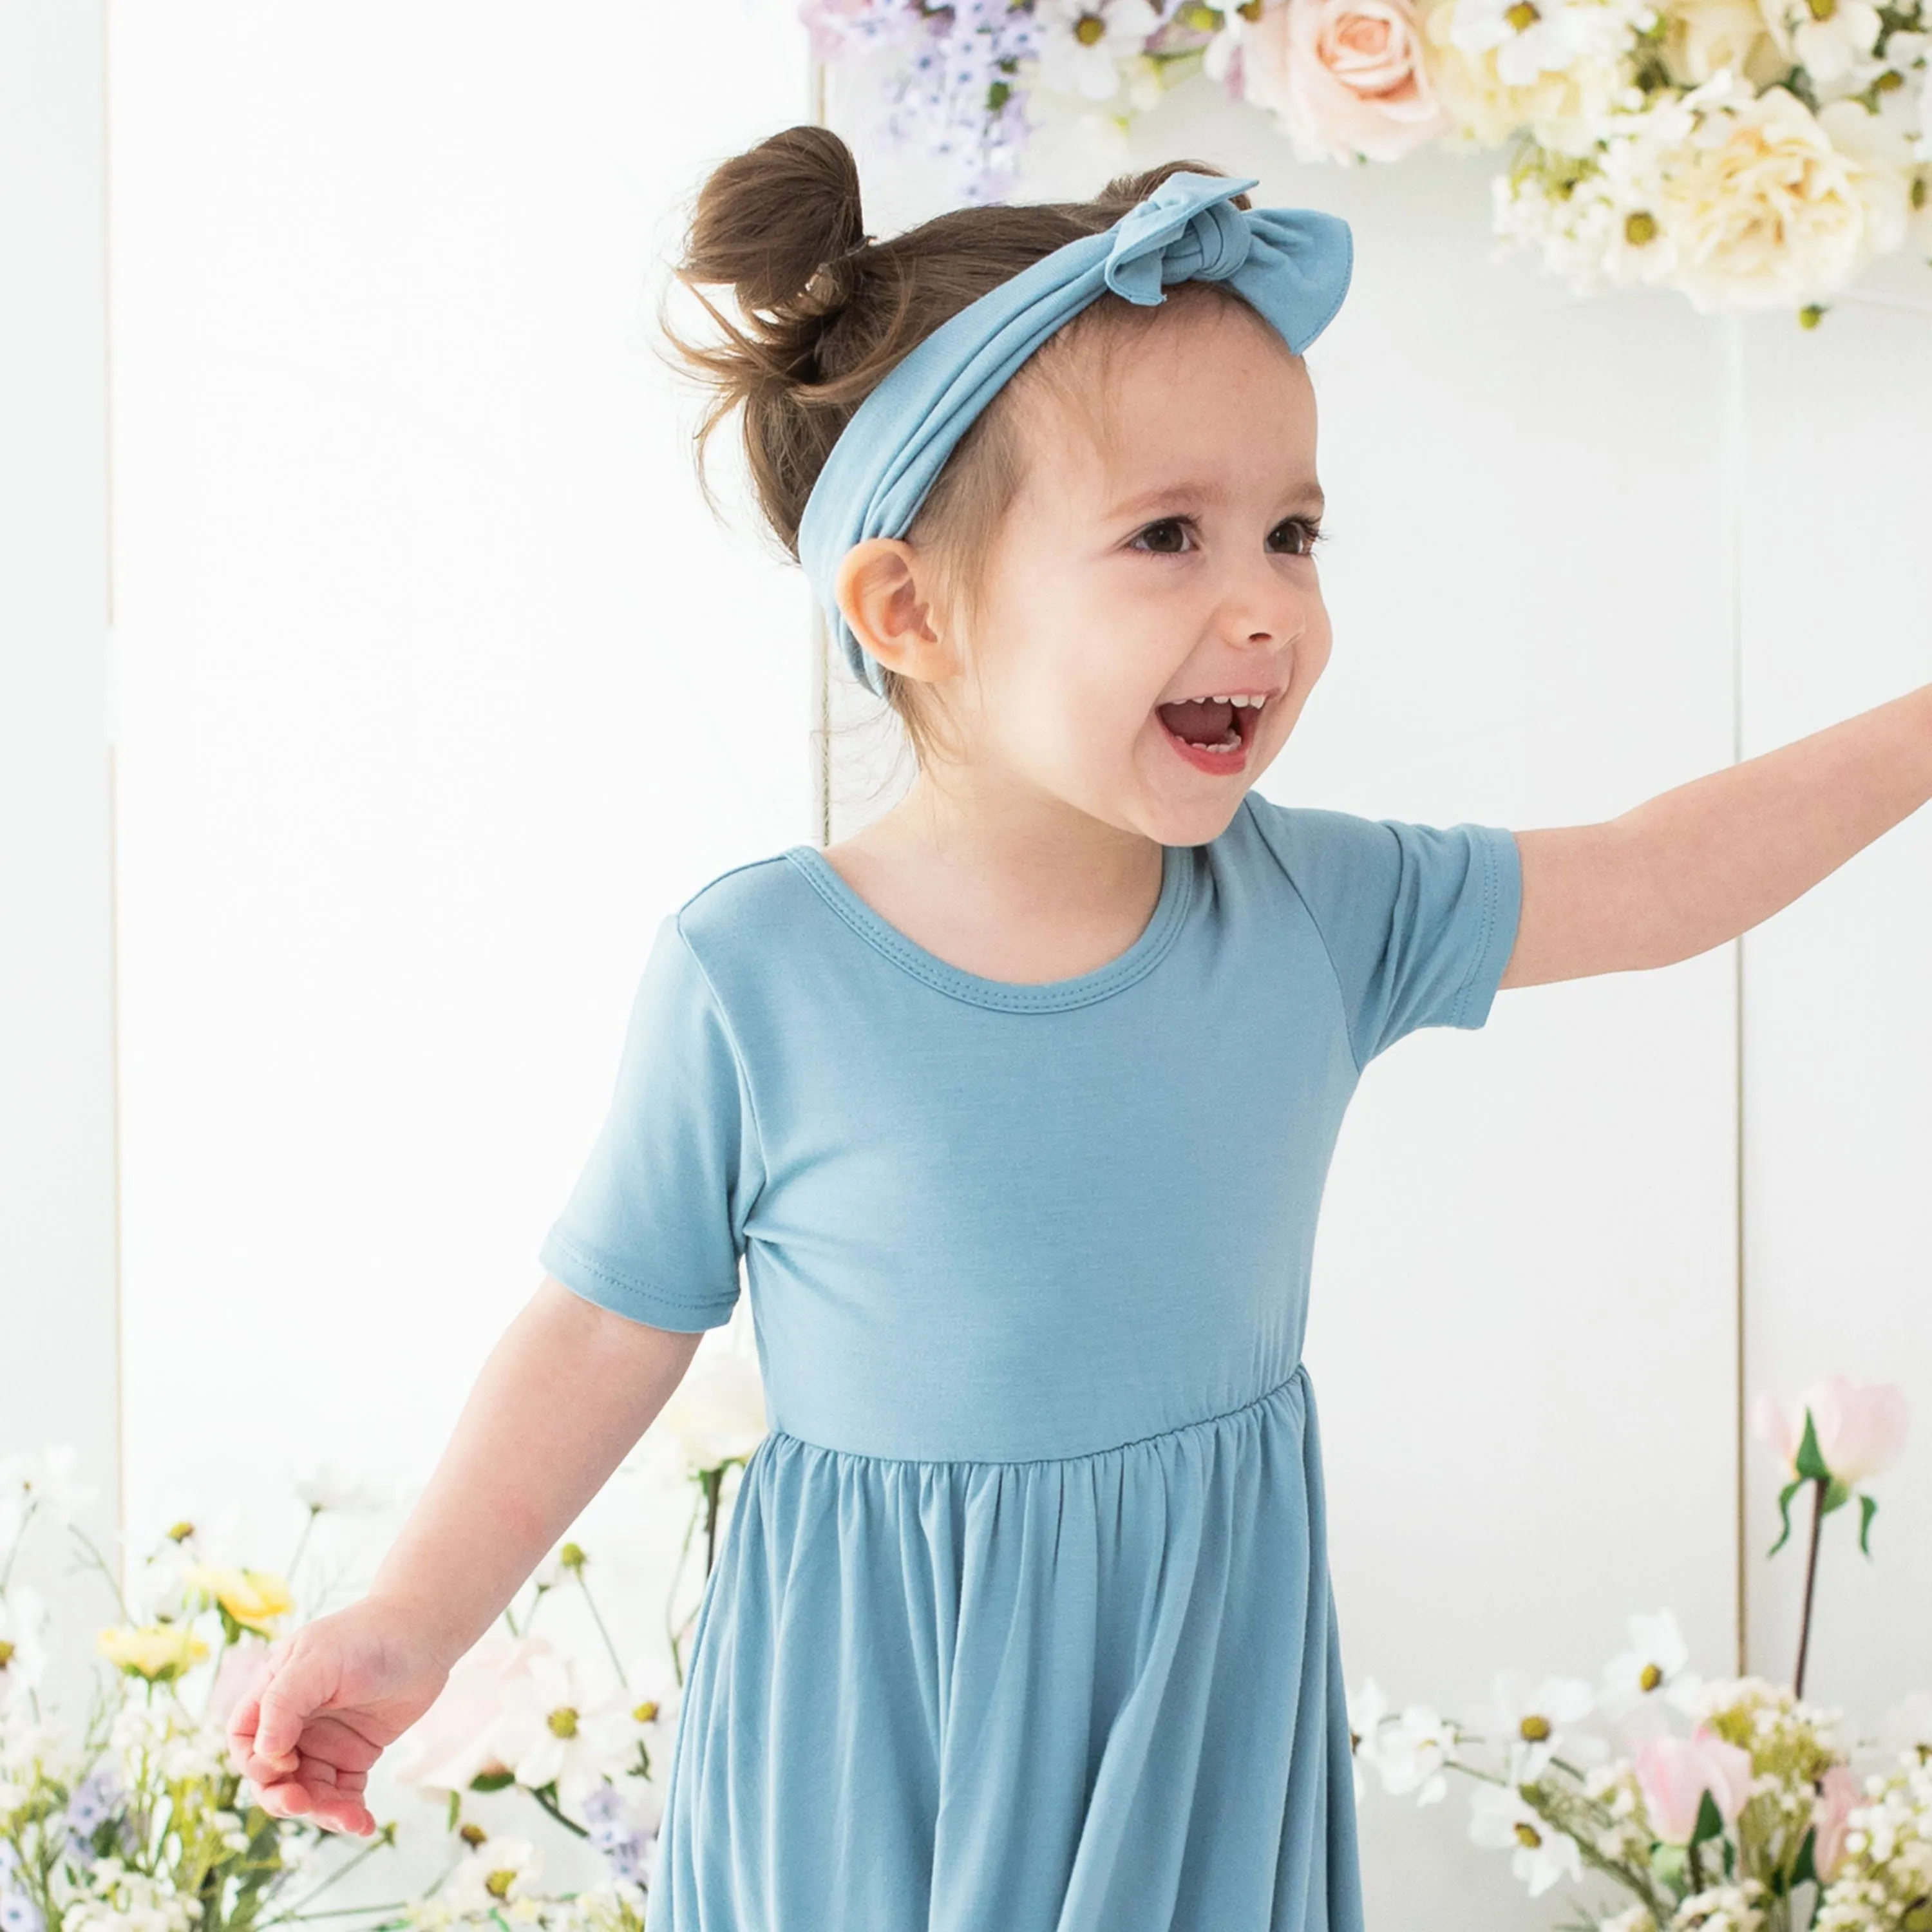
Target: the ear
(880, 588)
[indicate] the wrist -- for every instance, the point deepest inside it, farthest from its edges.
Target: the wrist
(429, 1624)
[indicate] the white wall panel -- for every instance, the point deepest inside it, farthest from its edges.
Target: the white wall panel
(57, 1139)
(1838, 1058)
(442, 689)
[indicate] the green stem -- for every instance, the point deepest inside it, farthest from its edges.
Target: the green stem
(583, 1583)
(19, 1538)
(381, 1838)
(1811, 1582)
(339, 1911)
(547, 1798)
(87, 1542)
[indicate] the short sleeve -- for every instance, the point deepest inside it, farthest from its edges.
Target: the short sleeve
(1419, 920)
(655, 1227)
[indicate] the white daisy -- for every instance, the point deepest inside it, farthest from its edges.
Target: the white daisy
(1413, 1752)
(550, 1731)
(40, 1485)
(1529, 38)
(1653, 1667)
(1499, 1820)
(499, 1876)
(1367, 1709)
(1083, 42)
(23, 1653)
(1532, 1719)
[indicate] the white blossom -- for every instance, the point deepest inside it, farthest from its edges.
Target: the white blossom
(1413, 1752)
(1540, 1855)
(1082, 43)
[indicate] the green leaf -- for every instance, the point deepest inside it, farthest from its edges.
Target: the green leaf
(492, 1780)
(1806, 1870)
(1784, 1496)
(1836, 1497)
(1867, 1509)
(1708, 1820)
(1810, 1463)
(455, 1810)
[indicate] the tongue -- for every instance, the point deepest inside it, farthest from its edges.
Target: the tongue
(1200, 720)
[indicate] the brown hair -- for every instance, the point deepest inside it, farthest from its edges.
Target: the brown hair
(827, 311)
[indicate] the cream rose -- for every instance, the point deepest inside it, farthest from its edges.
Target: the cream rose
(1345, 77)
(1764, 211)
(1702, 36)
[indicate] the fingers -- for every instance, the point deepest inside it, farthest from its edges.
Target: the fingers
(331, 1812)
(300, 1681)
(332, 1800)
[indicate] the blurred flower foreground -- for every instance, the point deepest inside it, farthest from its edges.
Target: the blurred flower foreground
(132, 1818)
(1748, 154)
(1729, 1805)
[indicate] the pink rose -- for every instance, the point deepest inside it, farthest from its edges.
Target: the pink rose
(1345, 77)
(1860, 1425)
(1831, 1814)
(1673, 1774)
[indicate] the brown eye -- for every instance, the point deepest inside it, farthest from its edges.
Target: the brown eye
(1304, 535)
(1153, 529)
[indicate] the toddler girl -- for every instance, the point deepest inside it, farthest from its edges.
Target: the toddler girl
(1016, 1105)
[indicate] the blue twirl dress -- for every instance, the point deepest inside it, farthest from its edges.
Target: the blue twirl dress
(1022, 1622)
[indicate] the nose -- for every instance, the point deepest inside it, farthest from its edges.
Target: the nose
(1262, 605)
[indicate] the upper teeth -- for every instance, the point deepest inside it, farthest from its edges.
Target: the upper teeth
(1222, 698)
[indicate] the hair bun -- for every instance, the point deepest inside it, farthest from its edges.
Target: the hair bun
(767, 220)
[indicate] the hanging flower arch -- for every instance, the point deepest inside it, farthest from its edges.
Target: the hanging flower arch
(1750, 154)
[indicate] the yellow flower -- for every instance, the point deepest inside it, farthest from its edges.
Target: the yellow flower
(254, 1598)
(156, 1651)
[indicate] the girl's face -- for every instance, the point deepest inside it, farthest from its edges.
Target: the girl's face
(1175, 566)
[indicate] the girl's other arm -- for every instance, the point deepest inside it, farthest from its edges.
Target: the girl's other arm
(1699, 865)
(566, 1391)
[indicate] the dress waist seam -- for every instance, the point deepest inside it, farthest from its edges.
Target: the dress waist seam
(1298, 1373)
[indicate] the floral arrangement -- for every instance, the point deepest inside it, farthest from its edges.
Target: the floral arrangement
(137, 1820)
(1735, 1825)
(1751, 154)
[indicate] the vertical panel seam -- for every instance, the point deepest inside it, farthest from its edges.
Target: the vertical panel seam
(821, 642)
(1734, 441)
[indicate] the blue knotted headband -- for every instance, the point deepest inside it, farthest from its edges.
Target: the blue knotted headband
(1290, 264)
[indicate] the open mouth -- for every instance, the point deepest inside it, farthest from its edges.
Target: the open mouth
(1213, 733)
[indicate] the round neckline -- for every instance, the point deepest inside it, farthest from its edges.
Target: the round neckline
(1163, 924)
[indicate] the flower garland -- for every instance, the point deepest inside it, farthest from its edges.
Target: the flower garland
(1750, 154)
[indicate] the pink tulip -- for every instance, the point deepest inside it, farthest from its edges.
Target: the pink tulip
(1674, 1773)
(244, 1669)
(456, 1738)
(1860, 1427)
(1831, 1814)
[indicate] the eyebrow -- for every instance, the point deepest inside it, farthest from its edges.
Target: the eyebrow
(1189, 491)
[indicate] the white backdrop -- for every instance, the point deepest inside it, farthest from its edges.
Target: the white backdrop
(440, 688)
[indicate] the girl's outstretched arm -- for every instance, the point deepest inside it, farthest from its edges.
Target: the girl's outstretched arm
(1700, 864)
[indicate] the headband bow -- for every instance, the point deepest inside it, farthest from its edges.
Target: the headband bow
(1290, 264)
